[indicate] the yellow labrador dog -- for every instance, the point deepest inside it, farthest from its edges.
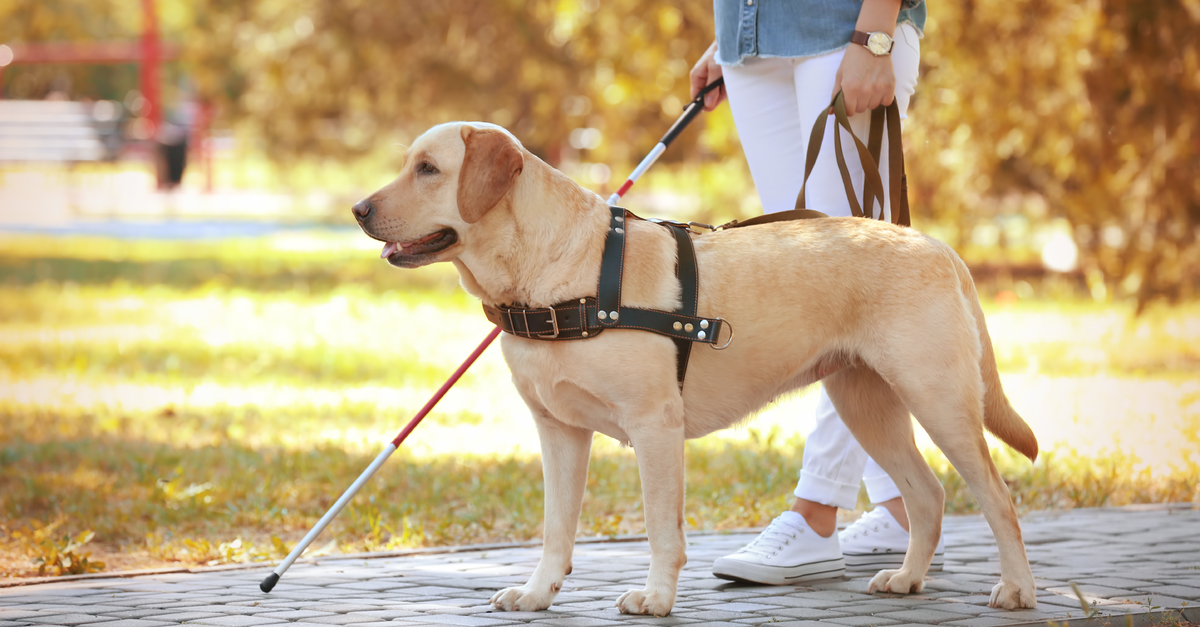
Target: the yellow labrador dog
(886, 317)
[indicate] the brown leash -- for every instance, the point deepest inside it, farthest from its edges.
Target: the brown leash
(869, 156)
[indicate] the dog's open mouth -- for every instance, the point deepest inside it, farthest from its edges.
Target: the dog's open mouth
(410, 254)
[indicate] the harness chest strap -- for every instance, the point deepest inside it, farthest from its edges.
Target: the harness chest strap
(585, 318)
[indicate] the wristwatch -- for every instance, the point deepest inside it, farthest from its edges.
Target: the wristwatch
(879, 43)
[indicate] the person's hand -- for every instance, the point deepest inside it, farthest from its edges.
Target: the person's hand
(866, 80)
(703, 74)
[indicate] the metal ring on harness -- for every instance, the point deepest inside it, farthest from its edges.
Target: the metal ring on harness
(727, 342)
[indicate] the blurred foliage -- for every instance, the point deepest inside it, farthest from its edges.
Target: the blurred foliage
(1082, 110)
(51, 554)
(1027, 111)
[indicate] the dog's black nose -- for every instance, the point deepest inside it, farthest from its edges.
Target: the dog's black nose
(363, 209)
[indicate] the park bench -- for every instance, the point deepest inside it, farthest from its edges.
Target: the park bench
(48, 131)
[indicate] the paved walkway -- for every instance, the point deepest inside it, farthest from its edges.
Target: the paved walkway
(1125, 560)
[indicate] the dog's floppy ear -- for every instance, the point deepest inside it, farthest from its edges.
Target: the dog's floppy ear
(489, 170)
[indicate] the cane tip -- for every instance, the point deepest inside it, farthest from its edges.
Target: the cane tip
(269, 583)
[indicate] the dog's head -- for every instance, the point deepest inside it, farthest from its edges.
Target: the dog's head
(453, 175)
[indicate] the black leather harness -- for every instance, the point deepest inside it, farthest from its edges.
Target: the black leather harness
(587, 317)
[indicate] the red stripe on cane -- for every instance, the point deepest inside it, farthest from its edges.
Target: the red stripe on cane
(625, 187)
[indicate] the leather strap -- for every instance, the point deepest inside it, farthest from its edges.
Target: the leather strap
(779, 216)
(869, 156)
(688, 274)
(861, 38)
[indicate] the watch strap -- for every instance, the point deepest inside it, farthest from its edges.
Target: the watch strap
(861, 38)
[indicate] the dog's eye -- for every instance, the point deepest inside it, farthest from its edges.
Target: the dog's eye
(427, 168)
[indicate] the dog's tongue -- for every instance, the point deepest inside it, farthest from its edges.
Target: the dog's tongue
(392, 247)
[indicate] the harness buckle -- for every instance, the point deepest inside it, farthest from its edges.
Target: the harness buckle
(727, 342)
(693, 226)
(553, 321)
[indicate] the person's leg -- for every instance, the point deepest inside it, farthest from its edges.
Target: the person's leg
(814, 79)
(762, 97)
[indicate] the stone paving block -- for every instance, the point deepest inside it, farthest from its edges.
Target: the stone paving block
(921, 616)
(9, 623)
(868, 608)
(1093, 590)
(181, 617)
(1122, 583)
(861, 621)
(708, 624)
(835, 595)
(343, 619)
(808, 613)
(390, 614)
(659, 621)
(583, 606)
(510, 616)
(135, 613)
(739, 607)
(1036, 614)
(1178, 591)
(966, 609)
(958, 585)
(65, 619)
(462, 621)
(980, 621)
(133, 622)
(238, 621)
(714, 615)
(795, 601)
(292, 615)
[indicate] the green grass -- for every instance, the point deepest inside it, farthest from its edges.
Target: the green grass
(205, 402)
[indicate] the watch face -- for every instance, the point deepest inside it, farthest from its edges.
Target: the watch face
(879, 43)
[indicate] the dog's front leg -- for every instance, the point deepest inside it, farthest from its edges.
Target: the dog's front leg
(565, 451)
(659, 451)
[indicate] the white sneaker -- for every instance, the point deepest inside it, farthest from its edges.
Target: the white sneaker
(787, 551)
(876, 541)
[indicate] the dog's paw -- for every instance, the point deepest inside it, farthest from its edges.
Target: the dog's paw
(645, 602)
(523, 599)
(896, 581)
(1011, 596)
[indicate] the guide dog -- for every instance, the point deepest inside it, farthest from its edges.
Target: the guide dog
(887, 318)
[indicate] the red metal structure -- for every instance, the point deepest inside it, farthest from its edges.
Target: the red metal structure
(149, 54)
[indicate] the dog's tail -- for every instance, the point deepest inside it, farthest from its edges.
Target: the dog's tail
(998, 415)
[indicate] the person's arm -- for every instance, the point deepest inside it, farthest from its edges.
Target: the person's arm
(704, 73)
(867, 80)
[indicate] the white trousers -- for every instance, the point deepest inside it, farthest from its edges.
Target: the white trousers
(774, 103)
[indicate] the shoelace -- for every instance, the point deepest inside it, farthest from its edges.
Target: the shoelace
(773, 538)
(871, 521)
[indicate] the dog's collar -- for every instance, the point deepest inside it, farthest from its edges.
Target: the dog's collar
(585, 318)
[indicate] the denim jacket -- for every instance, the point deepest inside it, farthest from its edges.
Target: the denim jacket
(792, 28)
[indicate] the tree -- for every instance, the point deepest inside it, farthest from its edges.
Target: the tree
(1087, 109)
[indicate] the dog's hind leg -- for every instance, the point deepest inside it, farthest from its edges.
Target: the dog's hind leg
(565, 451)
(880, 422)
(659, 449)
(950, 408)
